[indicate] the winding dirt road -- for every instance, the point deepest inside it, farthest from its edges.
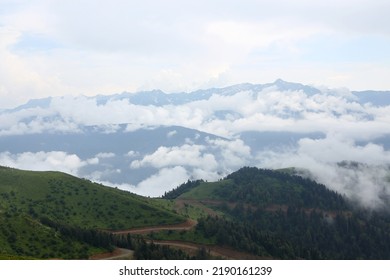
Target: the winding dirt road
(117, 254)
(213, 250)
(187, 225)
(189, 247)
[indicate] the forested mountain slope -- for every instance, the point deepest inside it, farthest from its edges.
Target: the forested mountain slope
(277, 215)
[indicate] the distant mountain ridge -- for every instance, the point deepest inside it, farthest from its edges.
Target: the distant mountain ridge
(160, 98)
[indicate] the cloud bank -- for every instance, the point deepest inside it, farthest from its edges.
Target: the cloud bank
(46, 161)
(359, 172)
(232, 116)
(269, 109)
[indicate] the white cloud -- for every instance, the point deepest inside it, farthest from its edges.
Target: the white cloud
(186, 155)
(235, 154)
(105, 155)
(211, 162)
(171, 133)
(367, 182)
(93, 161)
(164, 180)
(44, 161)
(331, 111)
(132, 154)
(333, 149)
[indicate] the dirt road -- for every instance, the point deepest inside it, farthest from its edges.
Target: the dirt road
(189, 247)
(117, 254)
(187, 225)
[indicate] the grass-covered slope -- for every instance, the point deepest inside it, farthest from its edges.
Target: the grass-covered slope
(23, 237)
(62, 197)
(27, 198)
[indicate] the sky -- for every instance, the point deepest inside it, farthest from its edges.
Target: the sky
(85, 47)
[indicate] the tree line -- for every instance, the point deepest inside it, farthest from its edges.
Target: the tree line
(298, 234)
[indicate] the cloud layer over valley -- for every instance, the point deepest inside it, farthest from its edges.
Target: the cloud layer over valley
(150, 142)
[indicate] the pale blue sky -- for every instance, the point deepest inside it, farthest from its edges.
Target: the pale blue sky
(103, 47)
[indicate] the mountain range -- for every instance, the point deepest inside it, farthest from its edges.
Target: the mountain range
(160, 98)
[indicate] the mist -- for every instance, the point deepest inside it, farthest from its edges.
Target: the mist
(361, 173)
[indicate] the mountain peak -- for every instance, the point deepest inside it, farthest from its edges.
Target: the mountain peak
(280, 82)
(287, 86)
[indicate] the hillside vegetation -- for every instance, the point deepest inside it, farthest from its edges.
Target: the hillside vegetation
(27, 198)
(274, 214)
(251, 214)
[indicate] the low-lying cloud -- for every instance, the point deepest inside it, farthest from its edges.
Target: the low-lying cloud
(351, 130)
(361, 172)
(155, 185)
(186, 155)
(266, 110)
(46, 161)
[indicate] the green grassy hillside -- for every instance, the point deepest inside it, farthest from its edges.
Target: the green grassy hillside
(62, 197)
(252, 212)
(26, 197)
